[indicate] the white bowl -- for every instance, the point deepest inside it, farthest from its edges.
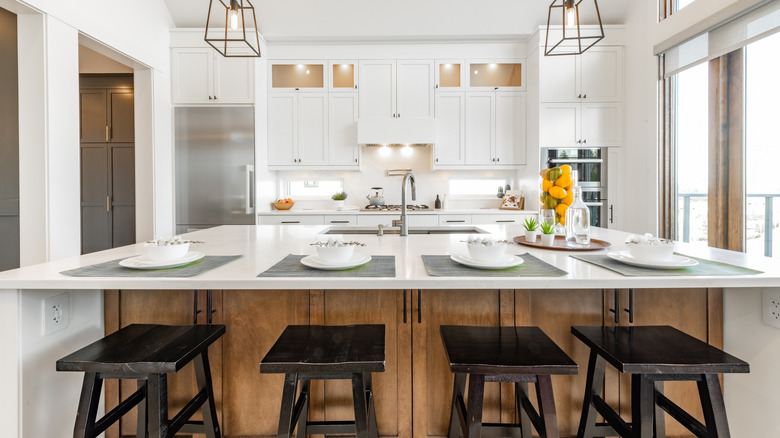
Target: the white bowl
(485, 253)
(651, 251)
(333, 254)
(166, 252)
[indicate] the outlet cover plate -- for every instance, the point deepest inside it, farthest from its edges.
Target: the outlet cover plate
(56, 313)
(770, 307)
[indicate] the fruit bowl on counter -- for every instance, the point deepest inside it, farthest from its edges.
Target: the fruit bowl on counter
(283, 204)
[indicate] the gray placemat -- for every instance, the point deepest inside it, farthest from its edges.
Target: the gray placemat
(444, 266)
(291, 266)
(112, 269)
(704, 268)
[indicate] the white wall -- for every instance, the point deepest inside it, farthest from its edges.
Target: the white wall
(91, 61)
(10, 364)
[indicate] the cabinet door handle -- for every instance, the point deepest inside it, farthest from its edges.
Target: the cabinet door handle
(496, 88)
(108, 203)
(215, 97)
(291, 222)
(108, 133)
(404, 306)
(498, 159)
(419, 306)
(584, 96)
(211, 98)
(356, 160)
(616, 309)
(508, 221)
(611, 212)
(195, 310)
(399, 115)
(339, 222)
(579, 96)
(436, 160)
(437, 85)
(630, 309)
(584, 141)
(456, 222)
(356, 87)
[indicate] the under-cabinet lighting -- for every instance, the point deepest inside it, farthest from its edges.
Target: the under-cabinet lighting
(385, 151)
(407, 151)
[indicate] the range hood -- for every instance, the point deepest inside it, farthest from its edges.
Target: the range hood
(396, 131)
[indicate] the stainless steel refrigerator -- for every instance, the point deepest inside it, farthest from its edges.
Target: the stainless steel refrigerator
(215, 156)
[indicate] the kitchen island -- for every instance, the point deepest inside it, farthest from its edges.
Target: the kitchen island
(412, 395)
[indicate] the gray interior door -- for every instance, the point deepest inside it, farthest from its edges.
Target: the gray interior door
(107, 163)
(9, 143)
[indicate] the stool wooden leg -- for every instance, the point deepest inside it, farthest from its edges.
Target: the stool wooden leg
(373, 431)
(304, 418)
(209, 409)
(660, 418)
(140, 431)
(458, 388)
(476, 396)
(157, 405)
(544, 393)
(596, 366)
(88, 405)
(521, 393)
(359, 401)
(713, 407)
(642, 404)
(288, 405)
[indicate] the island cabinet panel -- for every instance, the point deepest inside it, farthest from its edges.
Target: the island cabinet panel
(332, 400)
(697, 312)
(432, 379)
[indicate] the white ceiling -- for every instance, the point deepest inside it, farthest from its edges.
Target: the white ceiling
(281, 20)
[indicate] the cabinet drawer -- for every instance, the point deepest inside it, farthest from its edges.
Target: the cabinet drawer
(376, 219)
(290, 220)
(340, 219)
(517, 218)
(454, 219)
(423, 220)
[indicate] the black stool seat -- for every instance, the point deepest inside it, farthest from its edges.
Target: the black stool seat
(504, 350)
(146, 353)
(521, 355)
(653, 355)
(327, 349)
(657, 350)
(143, 349)
(314, 352)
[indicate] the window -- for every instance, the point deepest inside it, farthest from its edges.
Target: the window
(476, 188)
(313, 189)
(691, 151)
(679, 4)
(762, 147)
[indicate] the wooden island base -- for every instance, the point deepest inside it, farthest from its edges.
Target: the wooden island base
(412, 396)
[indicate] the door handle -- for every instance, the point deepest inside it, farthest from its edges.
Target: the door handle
(458, 222)
(419, 306)
(339, 222)
(291, 222)
(250, 189)
(611, 211)
(404, 306)
(630, 309)
(108, 133)
(616, 309)
(195, 310)
(108, 203)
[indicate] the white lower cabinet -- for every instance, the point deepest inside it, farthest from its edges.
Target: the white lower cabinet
(415, 220)
(288, 219)
(513, 218)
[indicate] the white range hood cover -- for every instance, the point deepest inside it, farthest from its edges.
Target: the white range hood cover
(396, 131)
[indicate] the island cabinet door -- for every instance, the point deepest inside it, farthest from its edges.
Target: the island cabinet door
(331, 400)
(432, 378)
(171, 307)
(697, 312)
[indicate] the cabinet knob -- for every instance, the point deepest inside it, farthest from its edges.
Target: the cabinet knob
(584, 96)
(356, 87)
(215, 97)
(496, 88)
(210, 98)
(579, 96)
(356, 160)
(498, 159)
(437, 85)
(436, 160)
(399, 115)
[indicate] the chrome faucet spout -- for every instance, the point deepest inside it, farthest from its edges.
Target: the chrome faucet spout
(404, 222)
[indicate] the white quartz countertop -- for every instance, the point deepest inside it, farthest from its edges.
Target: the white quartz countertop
(317, 211)
(262, 246)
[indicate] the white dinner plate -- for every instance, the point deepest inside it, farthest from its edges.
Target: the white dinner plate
(507, 261)
(673, 262)
(315, 262)
(142, 262)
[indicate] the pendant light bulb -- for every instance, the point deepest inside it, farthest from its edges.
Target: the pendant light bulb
(233, 14)
(571, 13)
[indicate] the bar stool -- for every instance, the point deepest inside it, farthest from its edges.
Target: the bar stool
(146, 353)
(313, 352)
(653, 355)
(521, 355)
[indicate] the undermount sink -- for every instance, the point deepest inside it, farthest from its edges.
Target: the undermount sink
(412, 230)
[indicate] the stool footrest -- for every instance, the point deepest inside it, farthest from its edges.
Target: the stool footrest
(330, 427)
(180, 419)
(613, 419)
(682, 417)
(121, 409)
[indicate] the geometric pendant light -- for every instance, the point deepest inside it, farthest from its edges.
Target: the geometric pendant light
(231, 36)
(564, 21)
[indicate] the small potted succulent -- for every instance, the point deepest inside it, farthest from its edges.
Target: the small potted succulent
(339, 198)
(531, 229)
(548, 233)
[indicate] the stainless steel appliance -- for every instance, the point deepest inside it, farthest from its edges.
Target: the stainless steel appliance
(215, 155)
(591, 167)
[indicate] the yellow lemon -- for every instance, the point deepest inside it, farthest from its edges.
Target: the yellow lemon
(566, 170)
(569, 198)
(563, 181)
(557, 192)
(563, 220)
(546, 184)
(554, 173)
(561, 209)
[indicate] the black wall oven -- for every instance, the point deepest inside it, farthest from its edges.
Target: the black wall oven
(591, 167)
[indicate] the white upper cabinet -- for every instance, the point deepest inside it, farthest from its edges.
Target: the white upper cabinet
(511, 128)
(282, 129)
(594, 76)
(297, 129)
(450, 75)
(390, 88)
(312, 129)
(450, 129)
(203, 76)
(496, 75)
(480, 128)
(559, 124)
(298, 76)
(343, 76)
(343, 147)
(580, 125)
(601, 124)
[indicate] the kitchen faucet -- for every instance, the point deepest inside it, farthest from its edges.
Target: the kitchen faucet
(404, 221)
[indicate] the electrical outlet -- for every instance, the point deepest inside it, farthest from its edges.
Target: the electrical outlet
(771, 307)
(56, 313)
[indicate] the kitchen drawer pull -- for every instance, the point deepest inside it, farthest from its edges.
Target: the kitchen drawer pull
(339, 222)
(291, 222)
(458, 221)
(509, 221)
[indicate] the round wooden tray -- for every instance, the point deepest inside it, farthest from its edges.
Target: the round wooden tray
(559, 244)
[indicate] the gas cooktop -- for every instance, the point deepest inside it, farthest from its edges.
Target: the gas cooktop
(409, 207)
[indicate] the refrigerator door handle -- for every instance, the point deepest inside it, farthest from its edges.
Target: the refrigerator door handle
(250, 189)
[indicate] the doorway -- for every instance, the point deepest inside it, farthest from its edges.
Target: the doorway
(9, 143)
(107, 149)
